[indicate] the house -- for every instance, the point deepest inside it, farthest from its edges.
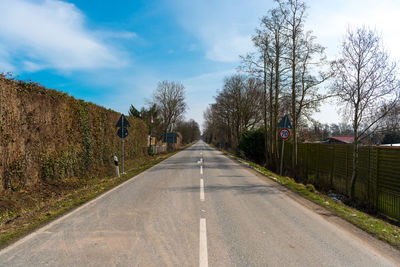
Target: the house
(342, 140)
(339, 140)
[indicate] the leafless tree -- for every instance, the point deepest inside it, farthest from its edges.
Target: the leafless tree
(366, 83)
(294, 12)
(305, 59)
(169, 98)
(237, 107)
(189, 130)
(391, 123)
(311, 74)
(266, 63)
(274, 25)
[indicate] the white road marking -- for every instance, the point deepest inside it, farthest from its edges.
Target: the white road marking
(203, 256)
(201, 170)
(201, 190)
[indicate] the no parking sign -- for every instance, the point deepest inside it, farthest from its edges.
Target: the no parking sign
(284, 133)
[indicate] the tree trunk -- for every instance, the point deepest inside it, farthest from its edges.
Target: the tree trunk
(277, 83)
(354, 172)
(272, 122)
(294, 153)
(266, 136)
(355, 158)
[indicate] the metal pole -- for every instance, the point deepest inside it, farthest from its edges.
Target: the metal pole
(123, 170)
(283, 147)
(151, 122)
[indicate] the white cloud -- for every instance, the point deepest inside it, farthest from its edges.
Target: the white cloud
(116, 35)
(50, 34)
(201, 90)
(330, 19)
(223, 27)
(229, 50)
(4, 59)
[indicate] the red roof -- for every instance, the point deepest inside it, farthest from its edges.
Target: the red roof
(344, 139)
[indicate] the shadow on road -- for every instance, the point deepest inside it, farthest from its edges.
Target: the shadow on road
(237, 189)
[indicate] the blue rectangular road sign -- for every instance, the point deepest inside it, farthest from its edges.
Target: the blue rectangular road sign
(170, 137)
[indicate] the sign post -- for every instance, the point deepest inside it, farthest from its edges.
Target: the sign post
(170, 138)
(151, 124)
(284, 134)
(116, 166)
(123, 124)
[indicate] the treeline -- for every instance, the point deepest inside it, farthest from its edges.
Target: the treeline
(284, 76)
(165, 113)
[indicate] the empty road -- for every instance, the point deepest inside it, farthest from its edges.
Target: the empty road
(199, 208)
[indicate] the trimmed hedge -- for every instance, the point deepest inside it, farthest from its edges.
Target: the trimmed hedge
(46, 135)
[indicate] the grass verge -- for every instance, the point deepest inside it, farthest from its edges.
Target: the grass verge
(378, 228)
(31, 210)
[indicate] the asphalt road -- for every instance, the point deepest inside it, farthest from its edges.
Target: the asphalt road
(199, 208)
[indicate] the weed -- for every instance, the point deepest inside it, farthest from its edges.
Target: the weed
(310, 187)
(15, 175)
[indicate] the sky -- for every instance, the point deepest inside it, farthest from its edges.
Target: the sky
(113, 53)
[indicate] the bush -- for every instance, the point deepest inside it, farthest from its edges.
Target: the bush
(252, 144)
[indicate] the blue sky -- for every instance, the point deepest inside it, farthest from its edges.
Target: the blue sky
(114, 53)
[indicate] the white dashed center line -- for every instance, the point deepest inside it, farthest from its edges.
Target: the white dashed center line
(203, 256)
(201, 190)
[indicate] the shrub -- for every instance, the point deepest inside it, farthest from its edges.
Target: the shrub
(252, 144)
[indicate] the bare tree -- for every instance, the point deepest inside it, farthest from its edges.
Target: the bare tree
(311, 74)
(259, 64)
(294, 12)
(274, 24)
(305, 59)
(169, 98)
(366, 83)
(238, 107)
(189, 130)
(266, 64)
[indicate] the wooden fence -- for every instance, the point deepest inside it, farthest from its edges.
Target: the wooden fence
(330, 166)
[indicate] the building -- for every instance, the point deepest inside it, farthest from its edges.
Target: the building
(339, 140)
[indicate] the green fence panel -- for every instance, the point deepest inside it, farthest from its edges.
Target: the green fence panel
(330, 166)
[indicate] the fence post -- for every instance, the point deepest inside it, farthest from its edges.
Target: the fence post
(369, 178)
(377, 179)
(317, 161)
(332, 164)
(307, 156)
(347, 169)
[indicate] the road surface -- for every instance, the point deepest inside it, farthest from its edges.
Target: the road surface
(199, 208)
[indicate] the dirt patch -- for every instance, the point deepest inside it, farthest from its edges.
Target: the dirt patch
(6, 205)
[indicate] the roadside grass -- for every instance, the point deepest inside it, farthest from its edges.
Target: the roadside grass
(37, 210)
(378, 228)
